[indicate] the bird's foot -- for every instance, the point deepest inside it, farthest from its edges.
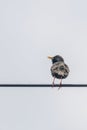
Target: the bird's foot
(60, 85)
(53, 85)
(53, 82)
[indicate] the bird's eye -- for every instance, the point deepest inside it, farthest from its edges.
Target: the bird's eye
(61, 68)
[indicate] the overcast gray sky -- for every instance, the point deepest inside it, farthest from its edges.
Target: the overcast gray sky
(31, 30)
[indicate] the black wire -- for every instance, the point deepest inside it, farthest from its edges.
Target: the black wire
(43, 85)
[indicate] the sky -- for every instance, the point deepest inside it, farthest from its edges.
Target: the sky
(31, 30)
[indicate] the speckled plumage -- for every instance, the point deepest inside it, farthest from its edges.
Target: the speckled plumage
(59, 70)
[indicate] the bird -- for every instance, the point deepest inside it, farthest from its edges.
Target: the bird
(59, 69)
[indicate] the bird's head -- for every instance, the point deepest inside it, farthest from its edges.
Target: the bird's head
(56, 58)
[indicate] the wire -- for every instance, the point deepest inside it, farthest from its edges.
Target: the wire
(43, 85)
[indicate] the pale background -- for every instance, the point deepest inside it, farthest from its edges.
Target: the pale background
(31, 30)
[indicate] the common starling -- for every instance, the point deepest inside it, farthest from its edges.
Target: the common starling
(59, 69)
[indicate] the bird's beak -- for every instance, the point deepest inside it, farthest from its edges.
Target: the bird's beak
(49, 57)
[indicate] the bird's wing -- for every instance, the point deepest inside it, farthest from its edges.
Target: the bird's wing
(60, 68)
